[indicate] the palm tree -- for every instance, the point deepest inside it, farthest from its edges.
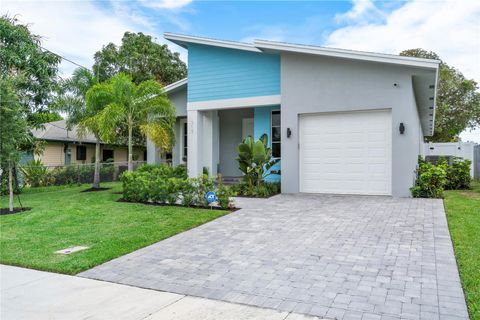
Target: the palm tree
(72, 100)
(144, 106)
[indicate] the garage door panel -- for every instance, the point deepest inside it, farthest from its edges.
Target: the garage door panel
(346, 153)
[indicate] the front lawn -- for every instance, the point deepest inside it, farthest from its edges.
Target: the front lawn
(463, 213)
(64, 217)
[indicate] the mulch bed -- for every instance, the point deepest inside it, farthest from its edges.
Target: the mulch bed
(15, 210)
(177, 205)
(96, 189)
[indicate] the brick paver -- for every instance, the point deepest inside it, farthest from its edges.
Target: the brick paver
(343, 257)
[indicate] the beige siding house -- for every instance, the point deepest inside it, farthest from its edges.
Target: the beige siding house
(64, 147)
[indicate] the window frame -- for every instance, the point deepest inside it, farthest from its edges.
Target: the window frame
(84, 148)
(271, 133)
(183, 154)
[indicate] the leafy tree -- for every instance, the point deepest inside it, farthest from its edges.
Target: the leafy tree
(41, 117)
(73, 101)
(141, 58)
(458, 101)
(144, 106)
(22, 57)
(14, 131)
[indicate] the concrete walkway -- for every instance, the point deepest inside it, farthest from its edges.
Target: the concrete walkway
(343, 257)
(30, 294)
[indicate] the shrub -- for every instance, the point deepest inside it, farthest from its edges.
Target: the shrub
(431, 180)
(162, 184)
(189, 192)
(458, 174)
(202, 185)
(180, 171)
(36, 175)
(264, 190)
(224, 193)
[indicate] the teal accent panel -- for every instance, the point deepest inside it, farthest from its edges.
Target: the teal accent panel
(262, 124)
(220, 73)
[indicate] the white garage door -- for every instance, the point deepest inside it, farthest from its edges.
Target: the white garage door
(346, 152)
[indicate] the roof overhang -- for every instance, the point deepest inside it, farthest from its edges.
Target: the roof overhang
(425, 89)
(273, 46)
(176, 86)
(184, 41)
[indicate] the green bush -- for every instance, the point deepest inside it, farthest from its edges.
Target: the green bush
(189, 192)
(224, 193)
(166, 185)
(264, 190)
(180, 171)
(458, 174)
(431, 180)
(36, 175)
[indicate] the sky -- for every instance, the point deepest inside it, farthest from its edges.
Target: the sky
(77, 29)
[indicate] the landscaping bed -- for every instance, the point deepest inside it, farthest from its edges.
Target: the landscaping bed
(463, 214)
(63, 217)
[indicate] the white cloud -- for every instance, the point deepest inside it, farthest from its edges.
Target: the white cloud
(471, 135)
(74, 29)
(77, 29)
(449, 28)
(362, 11)
(167, 4)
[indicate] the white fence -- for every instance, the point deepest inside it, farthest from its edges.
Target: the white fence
(463, 150)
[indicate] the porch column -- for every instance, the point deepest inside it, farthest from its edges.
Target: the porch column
(210, 141)
(195, 143)
(153, 153)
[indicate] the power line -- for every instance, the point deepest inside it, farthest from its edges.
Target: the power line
(66, 59)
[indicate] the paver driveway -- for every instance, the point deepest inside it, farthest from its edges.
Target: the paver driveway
(344, 257)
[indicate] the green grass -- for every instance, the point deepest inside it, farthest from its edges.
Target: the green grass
(463, 213)
(63, 216)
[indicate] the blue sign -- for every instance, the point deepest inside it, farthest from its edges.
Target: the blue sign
(211, 196)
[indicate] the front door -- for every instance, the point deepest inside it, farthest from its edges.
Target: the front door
(247, 127)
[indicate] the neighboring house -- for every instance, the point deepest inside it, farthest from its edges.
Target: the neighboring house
(64, 147)
(465, 150)
(342, 121)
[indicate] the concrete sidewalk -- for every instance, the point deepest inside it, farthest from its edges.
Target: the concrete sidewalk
(31, 294)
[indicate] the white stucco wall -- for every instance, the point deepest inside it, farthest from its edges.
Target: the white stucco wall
(313, 84)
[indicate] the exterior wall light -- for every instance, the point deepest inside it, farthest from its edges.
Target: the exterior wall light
(401, 128)
(289, 132)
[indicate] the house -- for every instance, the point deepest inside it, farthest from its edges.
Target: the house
(460, 149)
(64, 147)
(341, 121)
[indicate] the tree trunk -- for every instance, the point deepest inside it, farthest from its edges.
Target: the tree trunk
(130, 156)
(10, 188)
(96, 174)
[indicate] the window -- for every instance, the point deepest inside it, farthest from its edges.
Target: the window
(107, 155)
(276, 134)
(81, 153)
(185, 140)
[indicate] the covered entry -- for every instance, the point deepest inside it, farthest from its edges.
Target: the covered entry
(346, 152)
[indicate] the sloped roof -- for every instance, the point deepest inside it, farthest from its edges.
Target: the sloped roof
(57, 131)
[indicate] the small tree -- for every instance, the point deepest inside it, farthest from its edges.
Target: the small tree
(255, 160)
(14, 131)
(72, 100)
(144, 106)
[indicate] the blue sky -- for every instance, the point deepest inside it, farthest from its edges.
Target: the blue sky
(77, 29)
